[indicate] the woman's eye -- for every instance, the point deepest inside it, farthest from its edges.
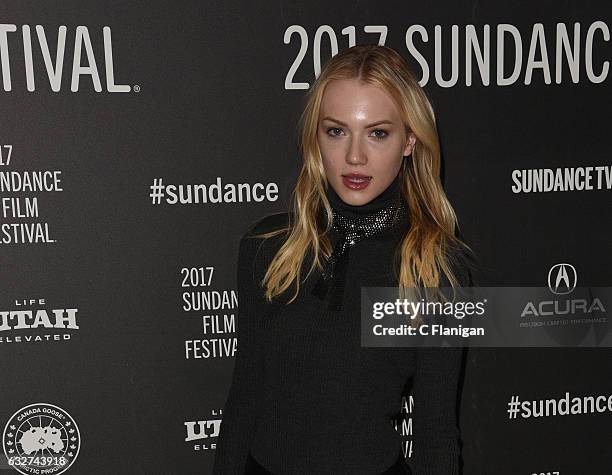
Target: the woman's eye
(380, 137)
(378, 133)
(332, 129)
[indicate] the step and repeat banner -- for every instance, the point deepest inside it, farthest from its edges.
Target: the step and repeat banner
(138, 140)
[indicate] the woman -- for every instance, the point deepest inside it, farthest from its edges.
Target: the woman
(368, 210)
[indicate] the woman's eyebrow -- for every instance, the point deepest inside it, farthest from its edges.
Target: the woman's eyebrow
(378, 122)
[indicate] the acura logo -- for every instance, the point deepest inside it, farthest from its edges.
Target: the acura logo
(562, 279)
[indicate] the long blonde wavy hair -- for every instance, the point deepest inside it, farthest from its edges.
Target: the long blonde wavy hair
(423, 250)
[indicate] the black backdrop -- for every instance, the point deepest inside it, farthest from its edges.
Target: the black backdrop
(209, 93)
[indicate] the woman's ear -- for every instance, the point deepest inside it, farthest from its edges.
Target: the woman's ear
(410, 144)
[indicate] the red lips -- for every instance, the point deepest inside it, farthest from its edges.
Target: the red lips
(356, 181)
(356, 176)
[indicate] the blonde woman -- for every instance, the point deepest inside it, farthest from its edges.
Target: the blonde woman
(368, 210)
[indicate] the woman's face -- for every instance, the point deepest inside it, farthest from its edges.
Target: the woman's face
(360, 133)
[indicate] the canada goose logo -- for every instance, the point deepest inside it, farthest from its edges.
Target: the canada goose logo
(562, 279)
(41, 438)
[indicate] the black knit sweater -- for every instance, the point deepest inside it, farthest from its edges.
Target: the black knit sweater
(306, 397)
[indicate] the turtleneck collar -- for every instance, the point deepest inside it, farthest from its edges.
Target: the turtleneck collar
(384, 215)
(389, 195)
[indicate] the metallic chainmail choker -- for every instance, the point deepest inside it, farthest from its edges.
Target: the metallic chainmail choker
(352, 229)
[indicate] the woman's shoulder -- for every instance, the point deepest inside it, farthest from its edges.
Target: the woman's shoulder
(256, 247)
(268, 223)
(463, 263)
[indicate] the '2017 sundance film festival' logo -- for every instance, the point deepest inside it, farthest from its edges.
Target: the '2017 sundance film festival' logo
(41, 439)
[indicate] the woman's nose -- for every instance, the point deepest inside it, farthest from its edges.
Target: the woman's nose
(355, 154)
